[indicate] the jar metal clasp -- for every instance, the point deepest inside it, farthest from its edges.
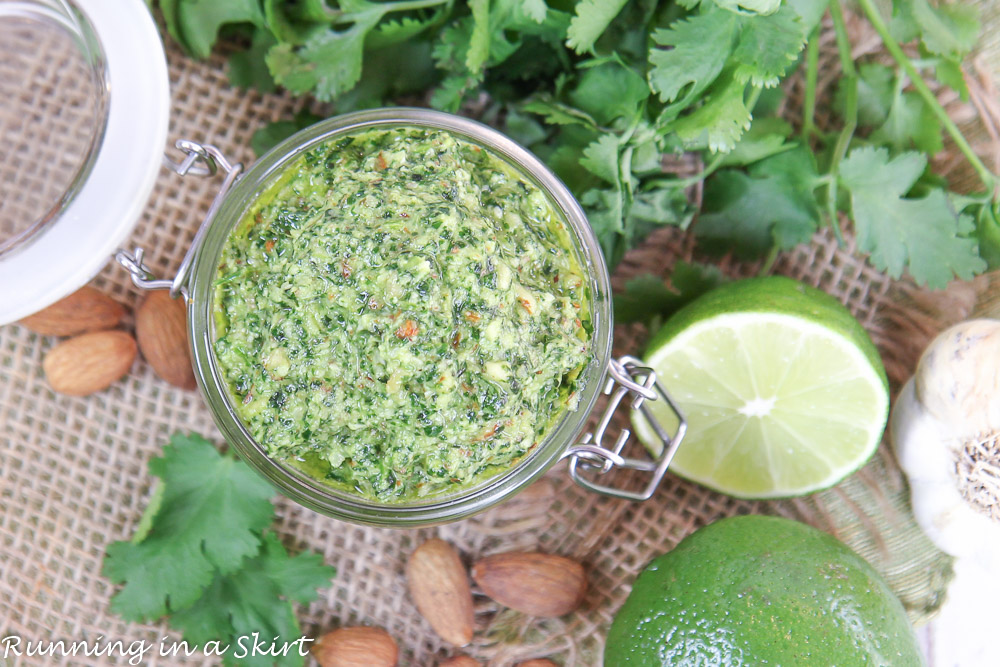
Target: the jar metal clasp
(199, 160)
(628, 376)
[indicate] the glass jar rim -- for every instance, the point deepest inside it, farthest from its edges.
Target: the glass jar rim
(324, 498)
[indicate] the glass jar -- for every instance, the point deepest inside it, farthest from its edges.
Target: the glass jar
(83, 122)
(620, 378)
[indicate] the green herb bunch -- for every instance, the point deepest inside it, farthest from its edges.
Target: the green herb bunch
(610, 92)
(202, 555)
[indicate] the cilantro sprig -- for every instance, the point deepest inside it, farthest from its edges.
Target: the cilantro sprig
(202, 555)
(648, 299)
(610, 93)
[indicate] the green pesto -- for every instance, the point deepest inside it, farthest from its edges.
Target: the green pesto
(401, 315)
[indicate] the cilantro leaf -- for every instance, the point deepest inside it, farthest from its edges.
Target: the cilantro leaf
(556, 113)
(767, 46)
(286, 26)
(647, 298)
(606, 208)
(949, 29)
(658, 207)
(949, 72)
(720, 121)
(537, 10)
(210, 499)
(910, 124)
(810, 12)
(609, 91)
(565, 161)
(524, 129)
(295, 578)
(211, 513)
(449, 95)
(760, 47)
(248, 69)
(168, 8)
(158, 576)
(451, 48)
(902, 26)
(475, 45)
(274, 133)
(628, 34)
(762, 7)
(591, 20)
(620, 221)
(767, 136)
(395, 31)
(256, 599)
(715, 55)
(479, 42)
(875, 84)
(606, 212)
(772, 204)
(317, 11)
(329, 63)
(601, 158)
(199, 21)
(988, 233)
(924, 235)
(389, 72)
(700, 46)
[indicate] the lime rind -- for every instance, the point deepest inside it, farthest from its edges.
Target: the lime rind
(774, 294)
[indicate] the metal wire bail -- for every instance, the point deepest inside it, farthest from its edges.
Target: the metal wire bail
(199, 160)
(628, 376)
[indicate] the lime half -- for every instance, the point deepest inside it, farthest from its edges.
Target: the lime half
(783, 390)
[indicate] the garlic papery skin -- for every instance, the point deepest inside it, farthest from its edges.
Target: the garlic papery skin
(958, 377)
(949, 407)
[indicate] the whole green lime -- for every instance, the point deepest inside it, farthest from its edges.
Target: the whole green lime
(757, 590)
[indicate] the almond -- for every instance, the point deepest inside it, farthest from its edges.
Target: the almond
(460, 661)
(89, 362)
(534, 583)
(161, 328)
(84, 310)
(356, 647)
(537, 662)
(440, 588)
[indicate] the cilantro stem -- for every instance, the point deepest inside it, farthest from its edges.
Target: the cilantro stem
(772, 257)
(341, 17)
(843, 41)
(985, 175)
(812, 72)
(850, 82)
(709, 169)
(410, 5)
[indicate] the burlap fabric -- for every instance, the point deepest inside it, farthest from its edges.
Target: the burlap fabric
(73, 470)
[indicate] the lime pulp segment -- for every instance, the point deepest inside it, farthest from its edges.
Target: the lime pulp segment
(777, 405)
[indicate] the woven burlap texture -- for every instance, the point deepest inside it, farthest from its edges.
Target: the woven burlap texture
(73, 470)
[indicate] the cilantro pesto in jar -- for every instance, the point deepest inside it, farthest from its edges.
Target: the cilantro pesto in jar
(401, 314)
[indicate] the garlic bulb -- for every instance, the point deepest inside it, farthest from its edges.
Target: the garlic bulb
(946, 434)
